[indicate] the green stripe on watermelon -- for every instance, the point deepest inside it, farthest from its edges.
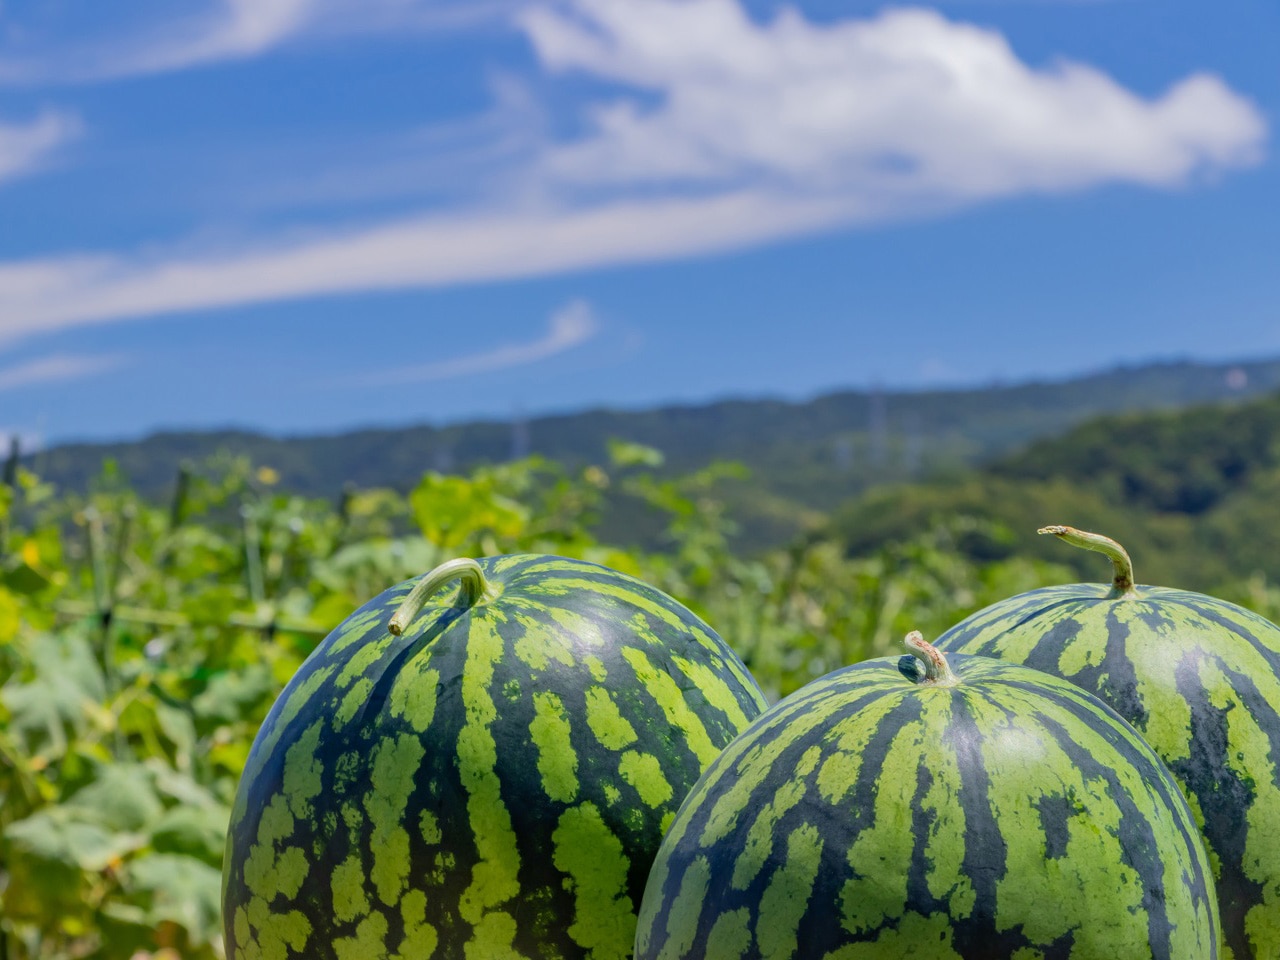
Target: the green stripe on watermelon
(1200, 679)
(491, 781)
(875, 814)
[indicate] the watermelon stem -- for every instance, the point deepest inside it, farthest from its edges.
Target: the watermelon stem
(937, 672)
(474, 587)
(1122, 584)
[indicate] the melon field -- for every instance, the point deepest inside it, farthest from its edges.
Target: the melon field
(143, 644)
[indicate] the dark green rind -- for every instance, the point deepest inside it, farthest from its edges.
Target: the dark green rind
(1200, 678)
(499, 809)
(866, 817)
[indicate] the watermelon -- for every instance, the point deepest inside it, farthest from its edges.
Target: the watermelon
(1200, 679)
(481, 769)
(905, 807)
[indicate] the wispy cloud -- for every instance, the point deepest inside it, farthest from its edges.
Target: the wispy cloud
(56, 368)
(229, 30)
(225, 30)
(29, 441)
(937, 370)
(44, 296)
(222, 30)
(571, 325)
(24, 147)
(241, 28)
(739, 133)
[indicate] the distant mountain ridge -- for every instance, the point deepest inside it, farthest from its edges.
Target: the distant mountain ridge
(809, 455)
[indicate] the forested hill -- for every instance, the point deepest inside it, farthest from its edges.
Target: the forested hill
(810, 456)
(1193, 494)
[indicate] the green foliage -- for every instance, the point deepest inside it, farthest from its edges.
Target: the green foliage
(1185, 462)
(141, 644)
(1190, 494)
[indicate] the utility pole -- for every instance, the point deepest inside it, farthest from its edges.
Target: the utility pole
(519, 435)
(878, 426)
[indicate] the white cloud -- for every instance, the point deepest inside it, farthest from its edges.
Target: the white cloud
(24, 147)
(235, 30)
(56, 368)
(739, 133)
(43, 296)
(571, 325)
(937, 370)
(907, 102)
(29, 441)
(375, 16)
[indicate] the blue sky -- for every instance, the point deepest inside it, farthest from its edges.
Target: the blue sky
(309, 215)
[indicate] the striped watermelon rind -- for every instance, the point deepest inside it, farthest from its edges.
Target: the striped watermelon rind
(872, 815)
(1199, 678)
(493, 781)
